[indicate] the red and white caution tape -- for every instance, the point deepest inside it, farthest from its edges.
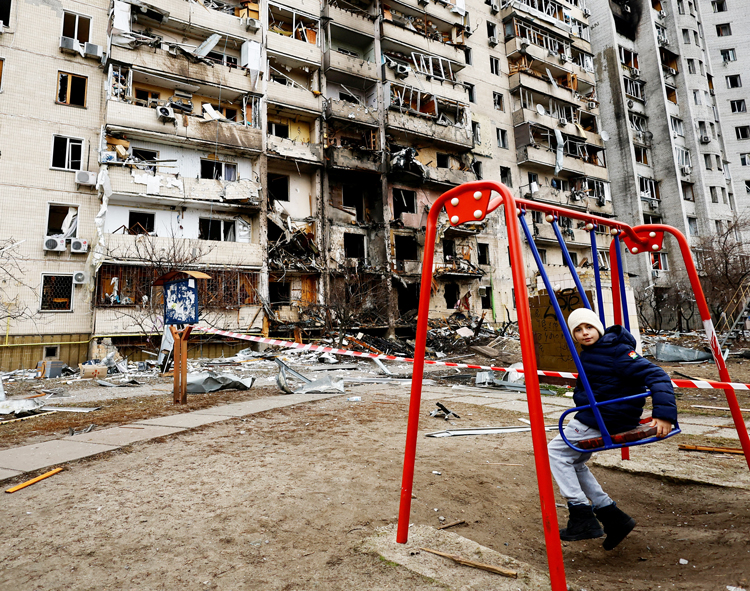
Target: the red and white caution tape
(703, 384)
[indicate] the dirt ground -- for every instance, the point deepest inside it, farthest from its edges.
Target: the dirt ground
(284, 500)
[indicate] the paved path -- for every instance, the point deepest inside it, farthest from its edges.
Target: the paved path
(32, 458)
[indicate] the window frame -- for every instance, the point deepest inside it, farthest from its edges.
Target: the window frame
(223, 165)
(222, 229)
(502, 138)
(70, 75)
(731, 79)
(728, 55)
(2, 71)
(52, 204)
(78, 16)
(41, 293)
(495, 66)
(734, 106)
(499, 105)
(67, 152)
(742, 132)
(719, 29)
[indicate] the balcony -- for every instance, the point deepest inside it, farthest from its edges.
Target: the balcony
(350, 112)
(451, 135)
(517, 46)
(122, 247)
(191, 15)
(444, 89)
(355, 21)
(296, 48)
(544, 157)
(151, 187)
(158, 61)
(542, 85)
(528, 116)
(287, 148)
(448, 176)
(353, 66)
(351, 159)
(143, 122)
(293, 96)
(416, 42)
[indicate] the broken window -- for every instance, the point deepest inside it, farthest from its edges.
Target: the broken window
(451, 295)
(634, 88)
(649, 188)
(498, 101)
(495, 66)
(142, 155)
(502, 138)
(353, 198)
(408, 297)
(67, 153)
(506, 176)
(443, 160)
(278, 129)
(485, 297)
(141, 222)
(724, 30)
(57, 293)
(278, 187)
(222, 58)
(147, 98)
(476, 166)
(5, 12)
(279, 293)
(476, 132)
(734, 81)
(354, 246)
(629, 59)
(76, 26)
(218, 230)
(407, 248)
(449, 249)
(671, 93)
(62, 220)
(71, 89)
(223, 171)
(483, 253)
(470, 92)
(404, 201)
(641, 155)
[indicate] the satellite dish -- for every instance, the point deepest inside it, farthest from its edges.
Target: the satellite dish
(605, 135)
(540, 110)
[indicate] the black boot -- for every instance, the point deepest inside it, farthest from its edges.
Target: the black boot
(617, 524)
(582, 525)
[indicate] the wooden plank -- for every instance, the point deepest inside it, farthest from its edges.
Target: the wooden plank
(709, 449)
(34, 480)
(480, 565)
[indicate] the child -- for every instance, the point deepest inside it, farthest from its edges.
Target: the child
(614, 370)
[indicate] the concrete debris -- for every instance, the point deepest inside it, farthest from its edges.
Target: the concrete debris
(18, 407)
(210, 381)
(667, 352)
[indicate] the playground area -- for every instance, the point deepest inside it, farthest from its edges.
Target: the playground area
(294, 498)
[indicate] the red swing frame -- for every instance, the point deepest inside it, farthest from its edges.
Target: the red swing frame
(472, 202)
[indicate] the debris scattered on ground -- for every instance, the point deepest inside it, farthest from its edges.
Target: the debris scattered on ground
(718, 408)
(489, 568)
(485, 431)
(666, 352)
(125, 384)
(210, 381)
(34, 480)
(709, 449)
(18, 407)
(443, 413)
(88, 429)
(447, 525)
(81, 409)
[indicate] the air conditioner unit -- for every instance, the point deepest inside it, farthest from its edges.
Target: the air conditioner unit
(663, 40)
(672, 71)
(494, 8)
(79, 277)
(654, 273)
(492, 41)
(91, 50)
(482, 291)
(586, 12)
(164, 113)
(84, 177)
(54, 243)
(662, 14)
(252, 25)
(705, 139)
(645, 195)
(563, 58)
(402, 71)
(69, 45)
(591, 105)
(712, 91)
(183, 94)
(79, 245)
(686, 170)
(635, 72)
(563, 121)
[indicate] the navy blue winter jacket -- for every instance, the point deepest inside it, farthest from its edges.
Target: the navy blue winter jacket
(615, 370)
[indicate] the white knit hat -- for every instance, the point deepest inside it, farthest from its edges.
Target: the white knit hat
(585, 316)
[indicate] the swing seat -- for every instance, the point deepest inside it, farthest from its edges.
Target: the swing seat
(640, 432)
(639, 436)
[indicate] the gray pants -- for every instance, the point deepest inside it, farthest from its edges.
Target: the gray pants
(577, 483)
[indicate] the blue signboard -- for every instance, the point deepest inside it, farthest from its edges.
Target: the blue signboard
(181, 302)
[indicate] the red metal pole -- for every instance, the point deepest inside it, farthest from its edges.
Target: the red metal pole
(534, 398)
(412, 427)
(713, 340)
(617, 305)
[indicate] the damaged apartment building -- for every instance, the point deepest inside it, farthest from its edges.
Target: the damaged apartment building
(289, 149)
